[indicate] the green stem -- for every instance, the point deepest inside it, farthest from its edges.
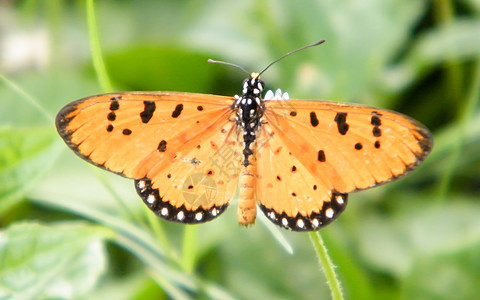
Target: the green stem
(98, 63)
(327, 265)
(120, 201)
(160, 234)
(466, 114)
(444, 15)
(28, 97)
(190, 244)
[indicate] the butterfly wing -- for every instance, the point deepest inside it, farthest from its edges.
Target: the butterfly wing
(166, 141)
(315, 152)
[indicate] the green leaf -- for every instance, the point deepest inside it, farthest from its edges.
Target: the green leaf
(63, 260)
(418, 231)
(25, 156)
(433, 48)
(162, 68)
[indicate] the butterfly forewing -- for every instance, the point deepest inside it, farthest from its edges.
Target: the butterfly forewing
(118, 131)
(351, 147)
(167, 141)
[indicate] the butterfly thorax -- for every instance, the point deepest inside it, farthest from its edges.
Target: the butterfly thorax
(249, 111)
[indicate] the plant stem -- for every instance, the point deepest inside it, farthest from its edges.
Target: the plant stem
(467, 113)
(32, 100)
(444, 13)
(327, 265)
(98, 63)
(190, 244)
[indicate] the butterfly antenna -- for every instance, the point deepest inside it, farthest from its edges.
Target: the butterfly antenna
(290, 53)
(228, 64)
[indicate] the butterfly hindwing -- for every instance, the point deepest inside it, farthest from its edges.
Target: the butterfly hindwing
(200, 184)
(166, 141)
(288, 194)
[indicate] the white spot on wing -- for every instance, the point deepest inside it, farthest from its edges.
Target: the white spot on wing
(339, 199)
(271, 215)
(151, 199)
(329, 213)
(300, 223)
(199, 216)
(214, 212)
(164, 211)
(180, 215)
(141, 185)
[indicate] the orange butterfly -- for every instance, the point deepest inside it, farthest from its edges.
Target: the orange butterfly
(296, 159)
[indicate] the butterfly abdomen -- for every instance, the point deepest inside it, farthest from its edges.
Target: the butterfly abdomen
(247, 206)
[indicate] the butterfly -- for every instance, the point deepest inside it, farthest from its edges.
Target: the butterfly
(297, 160)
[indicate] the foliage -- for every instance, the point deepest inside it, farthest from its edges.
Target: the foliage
(61, 219)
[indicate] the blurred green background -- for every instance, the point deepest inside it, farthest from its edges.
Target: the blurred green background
(72, 231)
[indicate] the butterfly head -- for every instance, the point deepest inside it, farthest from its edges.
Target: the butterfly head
(253, 86)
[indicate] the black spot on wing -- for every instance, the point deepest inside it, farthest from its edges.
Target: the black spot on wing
(147, 113)
(376, 131)
(162, 146)
(178, 110)
(341, 120)
(321, 156)
(114, 105)
(313, 119)
(375, 121)
(111, 116)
